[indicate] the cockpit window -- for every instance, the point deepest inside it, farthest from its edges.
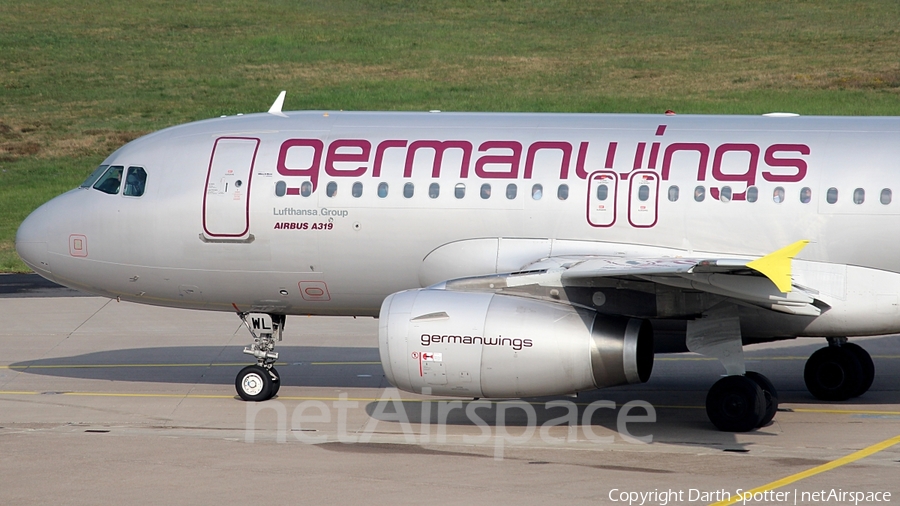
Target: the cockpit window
(110, 181)
(94, 176)
(135, 182)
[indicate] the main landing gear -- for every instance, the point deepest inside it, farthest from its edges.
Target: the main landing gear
(840, 371)
(260, 382)
(742, 403)
(743, 400)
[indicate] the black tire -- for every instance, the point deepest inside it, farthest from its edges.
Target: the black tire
(833, 374)
(276, 382)
(735, 404)
(254, 384)
(770, 394)
(868, 366)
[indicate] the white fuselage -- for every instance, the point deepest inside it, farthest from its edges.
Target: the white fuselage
(199, 239)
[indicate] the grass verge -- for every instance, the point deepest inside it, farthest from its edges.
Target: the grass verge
(79, 78)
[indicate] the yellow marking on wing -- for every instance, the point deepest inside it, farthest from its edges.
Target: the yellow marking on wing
(853, 457)
(777, 265)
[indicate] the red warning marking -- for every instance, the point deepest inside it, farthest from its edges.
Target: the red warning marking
(426, 357)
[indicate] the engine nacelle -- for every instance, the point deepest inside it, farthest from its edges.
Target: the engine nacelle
(474, 344)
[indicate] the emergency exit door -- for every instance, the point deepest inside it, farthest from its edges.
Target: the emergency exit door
(602, 195)
(643, 198)
(226, 203)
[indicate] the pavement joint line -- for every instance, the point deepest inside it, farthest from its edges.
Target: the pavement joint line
(787, 480)
(114, 366)
(755, 359)
(285, 364)
(375, 399)
(345, 363)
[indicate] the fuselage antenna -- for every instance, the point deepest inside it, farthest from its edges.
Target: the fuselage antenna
(278, 104)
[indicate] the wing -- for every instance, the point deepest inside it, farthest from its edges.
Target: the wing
(764, 282)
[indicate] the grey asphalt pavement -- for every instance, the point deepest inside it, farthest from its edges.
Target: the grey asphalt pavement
(106, 402)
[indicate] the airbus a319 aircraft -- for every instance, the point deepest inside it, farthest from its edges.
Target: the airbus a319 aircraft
(507, 255)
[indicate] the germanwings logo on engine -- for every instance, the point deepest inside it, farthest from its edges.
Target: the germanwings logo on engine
(514, 342)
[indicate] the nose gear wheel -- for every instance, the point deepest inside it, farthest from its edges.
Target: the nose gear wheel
(260, 382)
(254, 384)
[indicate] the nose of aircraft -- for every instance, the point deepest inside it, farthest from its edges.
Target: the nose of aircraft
(31, 241)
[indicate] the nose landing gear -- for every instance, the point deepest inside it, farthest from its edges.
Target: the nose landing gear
(261, 381)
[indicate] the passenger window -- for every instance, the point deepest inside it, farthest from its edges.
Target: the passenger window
(94, 176)
(832, 195)
(602, 192)
(886, 196)
(306, 189)
(110, 181)
(537, 191)
(485, 191)
(699, 193)
(643, 193)
(135, 181)
(356, 190)
(434, 190)
(511, 191)
(331, 189)
(459, 191)
(778, 195)
(725, 194)
(382, 190)
(859, 196)
(752, 194)
(562, 193)
(280, 189)
(805, 195)
(408, 190)
(673, 193)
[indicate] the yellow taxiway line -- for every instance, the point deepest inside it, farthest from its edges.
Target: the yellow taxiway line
(114, 366)
(853, 457)
(751, 358)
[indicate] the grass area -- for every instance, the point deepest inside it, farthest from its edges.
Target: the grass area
(79, 78)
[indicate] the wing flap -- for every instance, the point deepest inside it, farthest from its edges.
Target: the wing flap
(776, 266)
(764, 282)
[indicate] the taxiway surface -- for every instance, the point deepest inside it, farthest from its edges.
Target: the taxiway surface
(108, 402)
